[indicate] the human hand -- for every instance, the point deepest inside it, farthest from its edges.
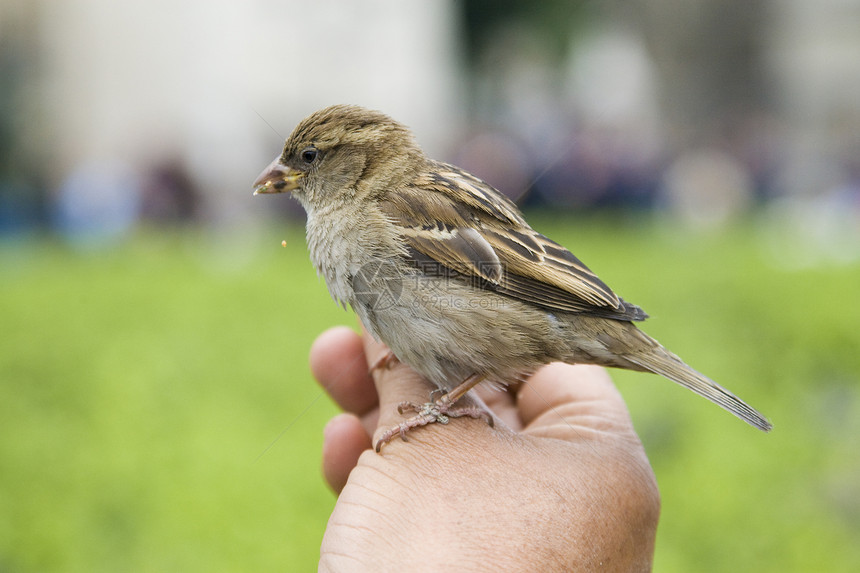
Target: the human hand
(562, 484)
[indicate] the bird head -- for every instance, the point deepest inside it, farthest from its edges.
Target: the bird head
(342, 151)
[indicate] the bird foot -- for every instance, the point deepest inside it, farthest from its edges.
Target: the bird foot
(440, 411)
(385, 362)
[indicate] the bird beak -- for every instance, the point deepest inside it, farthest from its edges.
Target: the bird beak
(277, 178)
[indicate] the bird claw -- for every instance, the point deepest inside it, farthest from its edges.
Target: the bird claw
(407, 406)
(385, 362)
(440, 411)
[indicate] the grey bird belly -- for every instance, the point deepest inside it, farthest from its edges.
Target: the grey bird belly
(448, 331)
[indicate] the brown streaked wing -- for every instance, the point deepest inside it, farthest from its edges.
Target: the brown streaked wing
(470, 192)
(437, 227)
(542, 272)
(531, 255)
(467, 226)
(461, 249)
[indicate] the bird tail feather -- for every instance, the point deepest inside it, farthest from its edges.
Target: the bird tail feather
(666, 364)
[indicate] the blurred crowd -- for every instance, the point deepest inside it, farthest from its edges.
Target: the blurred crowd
(569, 106)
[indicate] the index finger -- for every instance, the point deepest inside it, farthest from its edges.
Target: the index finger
(395, 383)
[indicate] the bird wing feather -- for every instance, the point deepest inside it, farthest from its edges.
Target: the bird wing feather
(456, 223)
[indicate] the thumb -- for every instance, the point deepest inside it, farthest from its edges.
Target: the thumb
(572, 403)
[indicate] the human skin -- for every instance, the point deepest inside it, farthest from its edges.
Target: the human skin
(560, 483)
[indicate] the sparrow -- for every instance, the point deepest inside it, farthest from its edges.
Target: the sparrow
(445, 270)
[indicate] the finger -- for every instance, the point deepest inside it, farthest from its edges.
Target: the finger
(338, 363)
(394, 384)
(563, 399)
(344, 438)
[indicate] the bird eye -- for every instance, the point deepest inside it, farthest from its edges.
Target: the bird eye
(309, 155)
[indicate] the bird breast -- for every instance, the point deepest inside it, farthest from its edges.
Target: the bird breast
(342, 246)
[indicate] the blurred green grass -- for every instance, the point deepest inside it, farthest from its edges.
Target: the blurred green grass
(157, 412)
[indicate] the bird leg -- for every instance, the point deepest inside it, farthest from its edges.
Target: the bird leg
(441, 411)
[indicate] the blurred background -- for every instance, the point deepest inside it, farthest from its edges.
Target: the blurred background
(156, 409)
